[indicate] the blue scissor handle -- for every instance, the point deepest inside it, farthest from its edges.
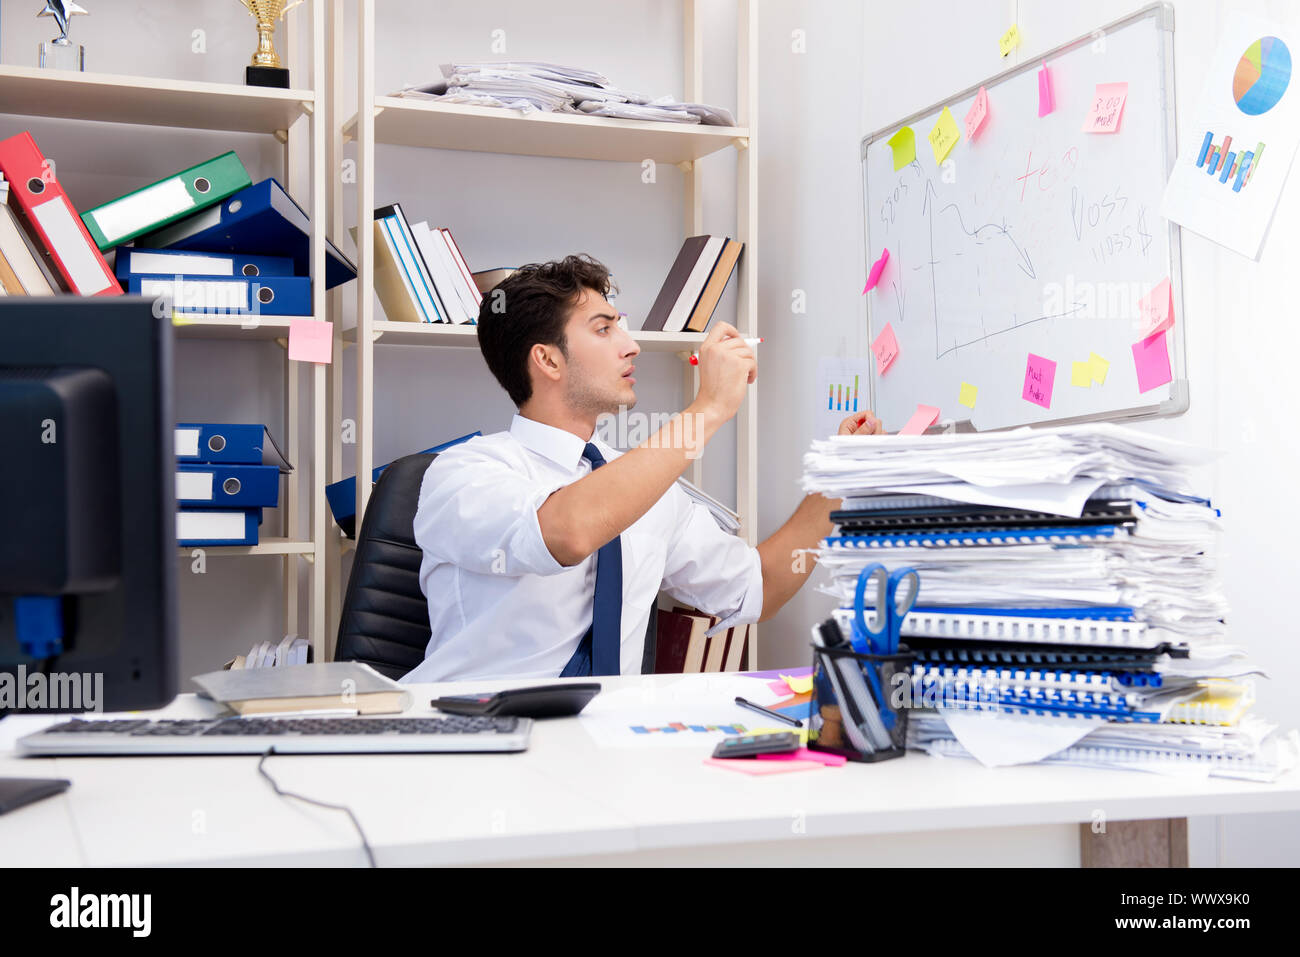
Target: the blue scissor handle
(883, 638)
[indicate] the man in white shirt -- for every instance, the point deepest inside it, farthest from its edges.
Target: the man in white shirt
(545, 548)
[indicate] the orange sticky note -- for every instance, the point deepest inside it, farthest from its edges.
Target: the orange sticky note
(886, 348)
(921, 419)
(1151, 357)
(1156, 310)
(1107, 108)
(944, 136)
(311, 341)
(977, 114)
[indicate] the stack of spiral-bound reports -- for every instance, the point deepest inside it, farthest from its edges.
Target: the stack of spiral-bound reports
(1070, 608)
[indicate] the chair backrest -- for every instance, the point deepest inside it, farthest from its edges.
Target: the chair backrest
(385, 617)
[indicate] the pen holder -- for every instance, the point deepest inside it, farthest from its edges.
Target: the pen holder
(841, 671)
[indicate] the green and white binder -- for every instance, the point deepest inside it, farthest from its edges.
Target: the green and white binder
(166, 201)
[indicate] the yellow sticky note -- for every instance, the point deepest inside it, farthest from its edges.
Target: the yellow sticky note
(1099, 367)
(903, 143)
(968, 394)
(1010, 40)
(944, 136)
(180, 319)
(798, 685)
(1081, 375)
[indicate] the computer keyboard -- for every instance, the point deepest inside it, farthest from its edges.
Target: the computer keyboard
(254, 735)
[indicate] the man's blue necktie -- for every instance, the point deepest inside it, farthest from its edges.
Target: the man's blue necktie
(607, 609)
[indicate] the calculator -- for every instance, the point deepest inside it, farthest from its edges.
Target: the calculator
(748, 746)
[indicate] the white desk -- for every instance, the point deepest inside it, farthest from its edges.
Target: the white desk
(568, 801)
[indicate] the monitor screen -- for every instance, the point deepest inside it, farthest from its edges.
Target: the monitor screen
(87, 474)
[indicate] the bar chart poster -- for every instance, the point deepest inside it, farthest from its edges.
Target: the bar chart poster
(841, 391)
(1231, 169)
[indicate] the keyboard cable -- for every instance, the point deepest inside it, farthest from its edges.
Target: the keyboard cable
(365, 845)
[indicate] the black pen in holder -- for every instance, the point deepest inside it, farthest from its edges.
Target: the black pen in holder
(858, 703)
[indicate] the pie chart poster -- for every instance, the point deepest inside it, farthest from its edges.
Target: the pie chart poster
(1238, 145)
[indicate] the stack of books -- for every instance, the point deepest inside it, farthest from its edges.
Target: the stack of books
(1068, 581)
(420, 274)
(694, 285)
(225, 476)
(683, 644)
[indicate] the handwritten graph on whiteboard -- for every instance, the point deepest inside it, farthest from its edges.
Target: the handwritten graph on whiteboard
(1031, 244)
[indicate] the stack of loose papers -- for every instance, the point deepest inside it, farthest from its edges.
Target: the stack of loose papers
(547, 87)
(1070, 608)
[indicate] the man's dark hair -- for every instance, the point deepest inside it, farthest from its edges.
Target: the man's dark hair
(531, 306)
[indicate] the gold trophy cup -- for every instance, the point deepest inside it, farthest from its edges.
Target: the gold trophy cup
(265, 68)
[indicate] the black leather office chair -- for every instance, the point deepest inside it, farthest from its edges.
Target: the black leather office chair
(385, 618)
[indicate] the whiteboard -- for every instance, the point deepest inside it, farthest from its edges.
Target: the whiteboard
(1032, 238)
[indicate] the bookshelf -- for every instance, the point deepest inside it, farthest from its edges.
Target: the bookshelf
(388, 120)
(196, 105)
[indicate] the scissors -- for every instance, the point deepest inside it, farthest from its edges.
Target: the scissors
(895, 595)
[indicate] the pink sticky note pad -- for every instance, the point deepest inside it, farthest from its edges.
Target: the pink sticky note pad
(1040, 374)
(921, 420)
(780, 687)
(886, 348)
(1156, 309)
(750, 766)
(877, 268)
(1107, 108)
(311, 341)
(1151, 356)
(1046, 102)
(978, 113)
(803, 754)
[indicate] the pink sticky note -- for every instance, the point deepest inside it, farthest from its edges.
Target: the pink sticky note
(311, 341)
(1046, 102)
(877, 268)
(750, 766)
(1156, 310)
(978, 113)
(921, 420)
(780, 687)
(1107, 108)
(1151, 356)
(1040, 373)
(886, 348)
(803, 754)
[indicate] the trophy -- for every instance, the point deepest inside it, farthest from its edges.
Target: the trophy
(61, 53)
(265, 69)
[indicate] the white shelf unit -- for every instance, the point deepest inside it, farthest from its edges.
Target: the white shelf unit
(410, 122)
(185, 104)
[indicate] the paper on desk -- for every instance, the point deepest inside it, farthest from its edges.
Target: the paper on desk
(697, 711)
(996, 740)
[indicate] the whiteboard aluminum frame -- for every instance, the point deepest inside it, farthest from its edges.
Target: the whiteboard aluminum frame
(1179, 393)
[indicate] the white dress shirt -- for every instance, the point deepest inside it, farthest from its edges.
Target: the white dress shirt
(501, 606)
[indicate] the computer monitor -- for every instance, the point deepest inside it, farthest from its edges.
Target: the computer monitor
(87, 479)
